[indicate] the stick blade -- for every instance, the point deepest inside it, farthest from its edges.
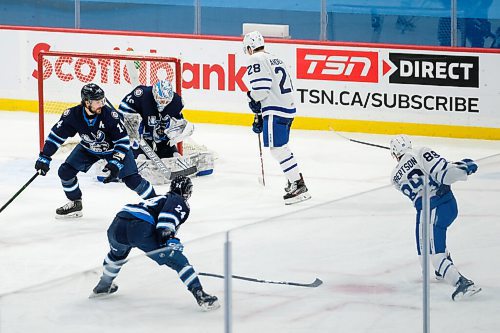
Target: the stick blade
(316, 283)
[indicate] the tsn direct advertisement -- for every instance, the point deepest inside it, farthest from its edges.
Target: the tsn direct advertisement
(366, 83)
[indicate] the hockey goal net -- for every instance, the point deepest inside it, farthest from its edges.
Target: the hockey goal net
(64, 74)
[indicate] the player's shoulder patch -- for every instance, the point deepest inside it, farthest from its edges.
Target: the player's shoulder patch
(66, 112)
(115, 115)
(138, 92)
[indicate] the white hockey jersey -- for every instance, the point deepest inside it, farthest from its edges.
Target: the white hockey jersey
(271, 84)
(407, 175)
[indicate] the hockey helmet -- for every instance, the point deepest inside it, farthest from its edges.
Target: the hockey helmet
(252, 40)
(183, 186)
(399, 145)
(92, 92)
(163, 93)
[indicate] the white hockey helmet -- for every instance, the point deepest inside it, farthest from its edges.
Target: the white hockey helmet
(399, 145)
(252, 40)
(163, 93)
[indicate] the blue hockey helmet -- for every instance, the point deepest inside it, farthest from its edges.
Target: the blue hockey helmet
(183, 186)
(163, 93)
(92, 92)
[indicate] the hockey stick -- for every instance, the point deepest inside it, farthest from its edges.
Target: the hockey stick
(262, 180)
(314, 284)
(19, 192)
(358, 141)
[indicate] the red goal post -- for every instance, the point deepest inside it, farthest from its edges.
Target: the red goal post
(64, 74)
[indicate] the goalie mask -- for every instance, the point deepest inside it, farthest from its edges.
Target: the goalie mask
(252, 40)
(400, 145)
(163, 93)
(183, 186)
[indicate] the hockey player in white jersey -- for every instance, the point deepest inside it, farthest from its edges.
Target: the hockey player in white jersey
(271, 99)
(407, 178)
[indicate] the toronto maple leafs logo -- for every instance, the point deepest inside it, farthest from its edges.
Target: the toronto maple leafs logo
(97, 142)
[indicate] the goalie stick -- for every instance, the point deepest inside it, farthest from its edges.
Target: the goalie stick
(153, 156)
(316, 283)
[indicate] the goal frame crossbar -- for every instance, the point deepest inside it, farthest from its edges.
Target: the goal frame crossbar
(94, 55)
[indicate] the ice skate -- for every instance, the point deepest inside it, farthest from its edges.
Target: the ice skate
(296, 192)
(205, 301)
(71, 209)
(465, 288)
(103, 289)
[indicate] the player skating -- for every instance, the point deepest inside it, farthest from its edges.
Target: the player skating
(271, 100)
(413, 164)
(103, 136)
(151, 226)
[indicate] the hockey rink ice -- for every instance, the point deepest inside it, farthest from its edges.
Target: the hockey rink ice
(356, 234)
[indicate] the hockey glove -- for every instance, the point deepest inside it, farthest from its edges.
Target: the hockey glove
(164, 235)
(254, 105)
(468, 165)
(42, 164)
(257, 125)
(175, 244)
(114, 167)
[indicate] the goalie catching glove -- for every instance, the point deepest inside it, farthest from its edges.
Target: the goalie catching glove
(178, 130)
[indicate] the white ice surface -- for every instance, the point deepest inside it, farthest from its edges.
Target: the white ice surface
(356, 234)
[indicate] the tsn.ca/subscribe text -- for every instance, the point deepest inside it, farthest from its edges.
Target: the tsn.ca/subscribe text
(356, 99)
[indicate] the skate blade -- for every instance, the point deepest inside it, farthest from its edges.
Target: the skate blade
(207, 307)
(69, 216)
(100, 296)
(299, 198)
(469, 293)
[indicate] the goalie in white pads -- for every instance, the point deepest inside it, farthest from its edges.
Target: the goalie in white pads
(407, 178)
(270, 98)
(155, 113)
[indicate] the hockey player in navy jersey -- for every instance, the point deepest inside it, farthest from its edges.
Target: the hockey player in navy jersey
(407, 178)
(151, 226)
(270, 98)
(103, 136)
(160, 108)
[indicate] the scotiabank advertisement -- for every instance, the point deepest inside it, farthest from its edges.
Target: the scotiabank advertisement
(371, 83)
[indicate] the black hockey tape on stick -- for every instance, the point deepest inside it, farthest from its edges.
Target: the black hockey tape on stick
(19, 192)
(358, 141)
(316, 283)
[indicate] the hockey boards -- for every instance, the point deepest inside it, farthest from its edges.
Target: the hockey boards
(316, 283)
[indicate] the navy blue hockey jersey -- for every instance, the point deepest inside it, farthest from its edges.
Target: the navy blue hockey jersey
(102, 134)
(165, 211)
(141, 101)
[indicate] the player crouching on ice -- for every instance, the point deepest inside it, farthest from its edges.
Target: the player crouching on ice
(151, 226)
(271, 99)
(406, 177)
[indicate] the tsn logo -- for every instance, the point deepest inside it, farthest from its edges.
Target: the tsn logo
(337, 65)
